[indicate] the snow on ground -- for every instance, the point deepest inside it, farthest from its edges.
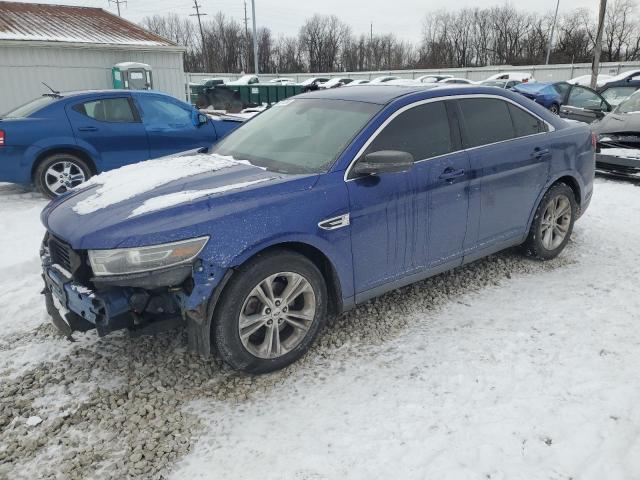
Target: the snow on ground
(506, 369)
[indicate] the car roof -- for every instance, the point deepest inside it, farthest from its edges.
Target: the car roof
(78, 93)
(382, 94)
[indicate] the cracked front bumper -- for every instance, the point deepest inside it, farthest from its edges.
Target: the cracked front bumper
(107, 311)
(144, 303)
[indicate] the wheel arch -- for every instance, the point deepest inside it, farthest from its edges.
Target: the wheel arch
(573, 184)
(571, 181)
(69, 150)
(321, 261)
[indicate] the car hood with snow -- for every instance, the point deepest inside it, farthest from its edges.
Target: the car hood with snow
(163, 198)
(627, 123)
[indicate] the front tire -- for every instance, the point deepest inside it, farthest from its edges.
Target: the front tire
(60, 172)
(552, 223)
(270, 312)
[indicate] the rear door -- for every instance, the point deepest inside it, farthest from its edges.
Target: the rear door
(509, 161)
(172, 126)
(111, 127)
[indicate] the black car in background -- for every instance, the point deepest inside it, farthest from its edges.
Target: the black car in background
(311, 84)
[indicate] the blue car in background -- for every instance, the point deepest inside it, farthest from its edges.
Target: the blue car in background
(316, 205)
(59, 140)
(553, 96)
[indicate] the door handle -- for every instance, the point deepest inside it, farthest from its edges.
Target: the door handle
(88, 129)
(450, 174)
(540, 152)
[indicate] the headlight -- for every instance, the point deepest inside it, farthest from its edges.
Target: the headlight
(121, 261)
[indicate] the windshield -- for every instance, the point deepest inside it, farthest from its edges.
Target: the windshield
(298, 135)
(28, 108)
(630, 105)
(495, 83)
(617, 95)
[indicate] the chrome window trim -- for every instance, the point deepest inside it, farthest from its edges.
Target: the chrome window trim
(373, 136)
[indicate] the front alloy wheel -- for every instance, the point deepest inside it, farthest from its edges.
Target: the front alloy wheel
(277, 314)
(270, 312)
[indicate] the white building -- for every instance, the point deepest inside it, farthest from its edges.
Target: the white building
(74, 48)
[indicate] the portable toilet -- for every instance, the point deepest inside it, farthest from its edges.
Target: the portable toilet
(132, 76)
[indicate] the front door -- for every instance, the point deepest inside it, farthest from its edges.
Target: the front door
(584, 105)
(172, 125)
(110, 128)
(401, 223)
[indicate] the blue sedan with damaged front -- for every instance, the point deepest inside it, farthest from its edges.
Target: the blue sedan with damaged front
(314, 206)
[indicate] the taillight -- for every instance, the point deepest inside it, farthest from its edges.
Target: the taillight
(594, 140)
(1, 138)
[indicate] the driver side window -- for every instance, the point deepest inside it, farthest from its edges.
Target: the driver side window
(422, 131)
(583, 98)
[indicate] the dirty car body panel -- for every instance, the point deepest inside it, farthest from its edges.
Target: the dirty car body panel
(370, 234)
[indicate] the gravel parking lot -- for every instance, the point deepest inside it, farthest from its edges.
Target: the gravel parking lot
(506, 368)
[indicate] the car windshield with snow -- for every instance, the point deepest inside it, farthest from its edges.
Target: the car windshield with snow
(312, 207)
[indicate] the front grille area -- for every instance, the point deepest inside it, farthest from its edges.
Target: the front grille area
(73, 261)
(61, 253)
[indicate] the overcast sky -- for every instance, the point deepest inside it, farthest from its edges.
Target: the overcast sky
(402, 17)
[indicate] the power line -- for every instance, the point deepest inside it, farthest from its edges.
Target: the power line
(198, 14)
(118, 2)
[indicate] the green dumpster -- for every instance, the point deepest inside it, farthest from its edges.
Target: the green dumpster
(260, 93)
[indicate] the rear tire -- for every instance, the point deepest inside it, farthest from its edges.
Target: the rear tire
(60, 172)
(270, 312)
(552, 223)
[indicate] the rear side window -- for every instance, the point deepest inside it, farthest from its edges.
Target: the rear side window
(486, 121)
(423, 131)
(108, 110)
(524, 123)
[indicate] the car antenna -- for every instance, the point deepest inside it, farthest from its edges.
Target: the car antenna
(55, 93)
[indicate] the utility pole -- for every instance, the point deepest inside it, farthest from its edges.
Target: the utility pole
(198, 14)
(247, 58)
(118, 2)
(595, 66)
(553, 28)
(255, 37)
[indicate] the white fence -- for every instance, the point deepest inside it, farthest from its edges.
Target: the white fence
(542, 73)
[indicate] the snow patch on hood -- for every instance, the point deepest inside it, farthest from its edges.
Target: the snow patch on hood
(172, 199)
(127, 182)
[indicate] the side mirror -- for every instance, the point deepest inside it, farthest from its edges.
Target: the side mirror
(202, 119)
(384, 161)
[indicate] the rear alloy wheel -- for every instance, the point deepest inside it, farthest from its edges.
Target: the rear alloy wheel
(59, 173)
(553, 222)
(270, 313)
